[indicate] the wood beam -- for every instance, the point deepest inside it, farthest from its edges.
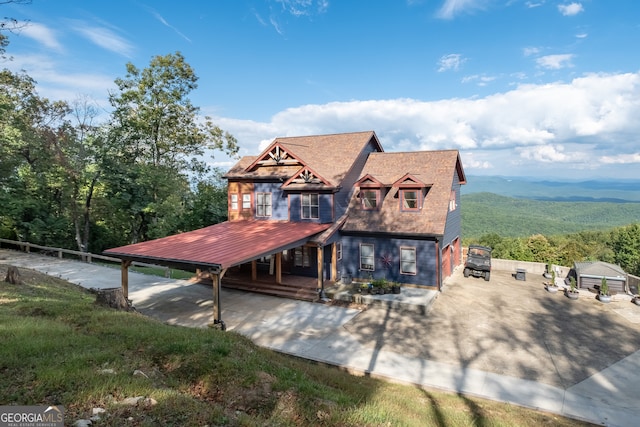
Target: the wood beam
(216, 278)
(334, 261)
(279, 268)
(320, 267)
(124, 276)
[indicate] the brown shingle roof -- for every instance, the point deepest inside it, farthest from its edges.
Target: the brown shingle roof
(436, 169)
(330, 156)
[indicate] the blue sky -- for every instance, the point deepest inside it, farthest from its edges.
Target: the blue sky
(549, 89)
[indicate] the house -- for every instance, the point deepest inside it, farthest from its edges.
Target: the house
(322, 207)
(589, 274)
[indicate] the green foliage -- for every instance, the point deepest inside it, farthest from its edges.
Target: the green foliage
(625, 245)
(68, 182)
(487, 213)
(604, 287)
(572, 284)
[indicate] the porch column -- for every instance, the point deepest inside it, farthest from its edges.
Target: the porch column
(334, 261)
(279, 268)
(254, 270)
(320, 252)
(216, 278)
(124, 277)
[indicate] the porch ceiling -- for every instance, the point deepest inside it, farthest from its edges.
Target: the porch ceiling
(220, 246)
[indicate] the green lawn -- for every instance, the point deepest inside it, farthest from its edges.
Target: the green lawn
(58, 347)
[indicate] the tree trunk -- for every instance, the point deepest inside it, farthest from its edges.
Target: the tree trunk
(13, 276)
(113, 298)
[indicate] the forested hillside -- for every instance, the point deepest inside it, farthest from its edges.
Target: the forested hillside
(486, 213)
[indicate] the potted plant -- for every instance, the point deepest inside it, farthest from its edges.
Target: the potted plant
(379, 286)
(572, 292)
(548, 270)
(636, 299)
(604, 296)
(551, 286)
(395, 288)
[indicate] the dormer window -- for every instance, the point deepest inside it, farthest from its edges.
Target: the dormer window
(410, 200)
(369, 198)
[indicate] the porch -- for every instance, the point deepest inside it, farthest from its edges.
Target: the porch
(291, 286)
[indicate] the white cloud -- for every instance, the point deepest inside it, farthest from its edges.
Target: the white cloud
(453, 61)
(42, 34)
(621, 159)
(166, 24)
(528, 51)
(479, 79)
(545, 153)
(570, 9)
(56, 84)
(451, 8)
(564, 125)
(555, 62)
(105, 38)
(304, 7)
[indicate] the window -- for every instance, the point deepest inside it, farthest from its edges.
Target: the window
(301, 257)
(234, 202)
(263, 204)
(246, 201)
(452, 201)
(366, 257)
(310, 207)
(407, 260)
(339, 251)
(409, 200)
(369, 199)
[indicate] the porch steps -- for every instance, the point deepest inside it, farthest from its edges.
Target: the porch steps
(273, 289)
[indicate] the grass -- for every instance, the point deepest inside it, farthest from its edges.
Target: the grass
(58, 347)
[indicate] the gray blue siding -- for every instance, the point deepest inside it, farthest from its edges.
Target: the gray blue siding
(426, 273)
(325, 202)
(453, 227)
(279, 200)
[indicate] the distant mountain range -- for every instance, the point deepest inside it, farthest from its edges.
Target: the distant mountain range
(608, 190)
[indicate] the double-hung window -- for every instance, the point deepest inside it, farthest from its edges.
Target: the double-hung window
(310, 206)
(367, 257)
(409, 200)
(234, 202)
(246, 201)
(408, 263)
(263, 204)
(369, 198)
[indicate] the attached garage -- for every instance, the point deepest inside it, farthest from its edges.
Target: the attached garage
(589, 275)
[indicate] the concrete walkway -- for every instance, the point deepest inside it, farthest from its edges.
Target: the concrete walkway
(316, 332)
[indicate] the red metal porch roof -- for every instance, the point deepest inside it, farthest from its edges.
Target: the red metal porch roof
(221, 245)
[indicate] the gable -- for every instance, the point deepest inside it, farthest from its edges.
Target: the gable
(275, 155)
(305, 177)
(409, 181)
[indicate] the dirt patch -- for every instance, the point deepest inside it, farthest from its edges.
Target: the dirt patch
(509, 327)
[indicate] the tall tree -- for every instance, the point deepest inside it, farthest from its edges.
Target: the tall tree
(158, 139)
(625, 242)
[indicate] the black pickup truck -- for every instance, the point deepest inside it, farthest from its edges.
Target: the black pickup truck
(478, 262)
